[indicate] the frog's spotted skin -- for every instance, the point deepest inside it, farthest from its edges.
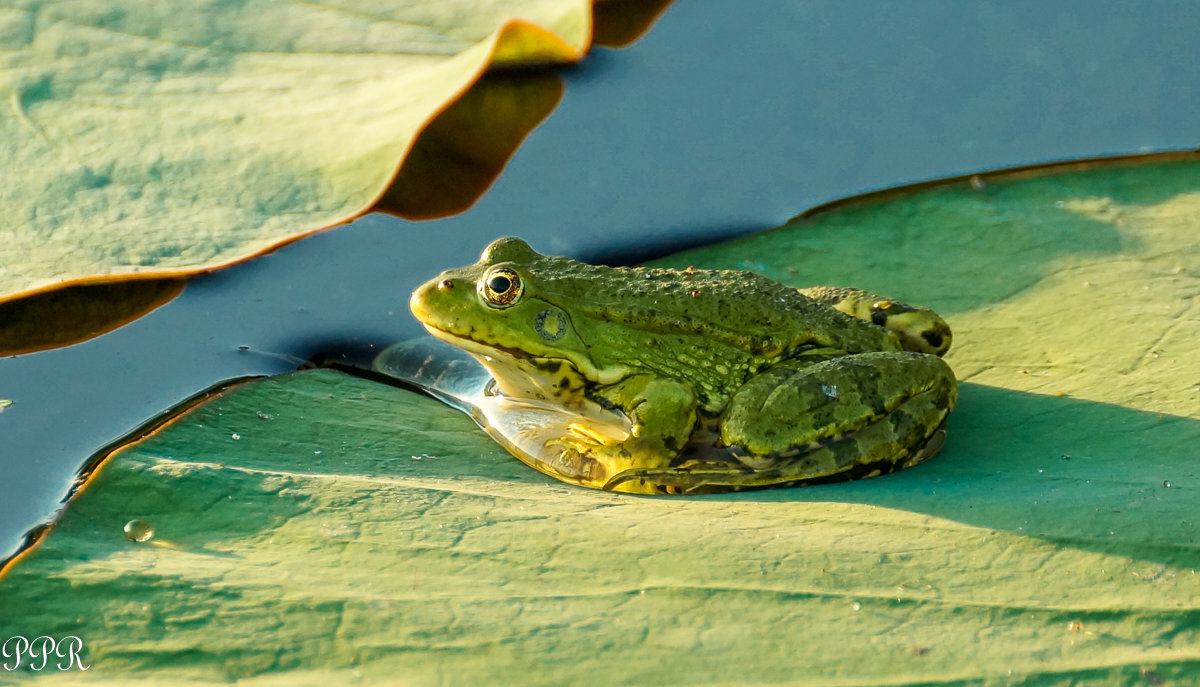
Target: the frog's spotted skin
(672, 381)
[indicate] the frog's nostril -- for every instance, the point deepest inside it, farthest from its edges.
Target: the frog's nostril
(445, 285)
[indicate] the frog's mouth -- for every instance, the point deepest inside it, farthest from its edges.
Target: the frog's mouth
(476, 346)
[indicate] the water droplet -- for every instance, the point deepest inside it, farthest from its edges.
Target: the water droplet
(138, 530)
(829, 390)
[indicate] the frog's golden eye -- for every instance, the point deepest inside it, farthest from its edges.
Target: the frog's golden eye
(501, 287)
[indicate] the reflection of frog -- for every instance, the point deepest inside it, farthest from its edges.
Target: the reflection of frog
(696, 380)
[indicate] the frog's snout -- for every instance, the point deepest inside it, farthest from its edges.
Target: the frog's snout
(421, 297)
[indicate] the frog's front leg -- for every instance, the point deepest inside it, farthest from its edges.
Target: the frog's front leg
(848, 417)
(662, 417)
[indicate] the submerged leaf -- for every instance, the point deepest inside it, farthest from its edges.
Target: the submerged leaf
(318, 526)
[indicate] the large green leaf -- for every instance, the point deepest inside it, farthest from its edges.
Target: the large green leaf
(324, 528)
(171, 137)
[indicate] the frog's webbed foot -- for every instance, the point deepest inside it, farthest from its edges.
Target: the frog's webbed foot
(576, 455)
(571, 463)
(919, 329)
(570, 447)
(600, 465)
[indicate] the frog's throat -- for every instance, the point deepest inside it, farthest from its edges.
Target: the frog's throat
(591, 372)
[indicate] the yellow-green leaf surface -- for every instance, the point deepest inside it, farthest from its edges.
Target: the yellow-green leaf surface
(171, 137)
(319, 528)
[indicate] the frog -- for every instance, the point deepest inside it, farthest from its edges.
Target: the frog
(686, 381)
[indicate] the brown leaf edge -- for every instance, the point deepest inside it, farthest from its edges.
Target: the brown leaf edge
(77, 313)
(617, 23)
(462, 151)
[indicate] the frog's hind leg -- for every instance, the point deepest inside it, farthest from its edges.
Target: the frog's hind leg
(850, 417)
(919, 329)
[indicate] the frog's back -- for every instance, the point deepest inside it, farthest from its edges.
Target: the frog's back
(748, 311)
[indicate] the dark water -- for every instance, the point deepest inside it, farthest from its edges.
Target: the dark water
(723, 119)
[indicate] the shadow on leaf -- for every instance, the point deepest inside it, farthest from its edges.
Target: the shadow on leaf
(1082, 474)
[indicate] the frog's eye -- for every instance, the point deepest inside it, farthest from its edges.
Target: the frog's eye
(501, 287)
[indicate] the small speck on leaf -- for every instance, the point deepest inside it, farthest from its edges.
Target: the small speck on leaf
(1153, 677)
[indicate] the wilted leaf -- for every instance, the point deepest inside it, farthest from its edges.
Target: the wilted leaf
(173, 137)
(316, 524)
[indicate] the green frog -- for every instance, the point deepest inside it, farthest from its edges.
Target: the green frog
(669, 381)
